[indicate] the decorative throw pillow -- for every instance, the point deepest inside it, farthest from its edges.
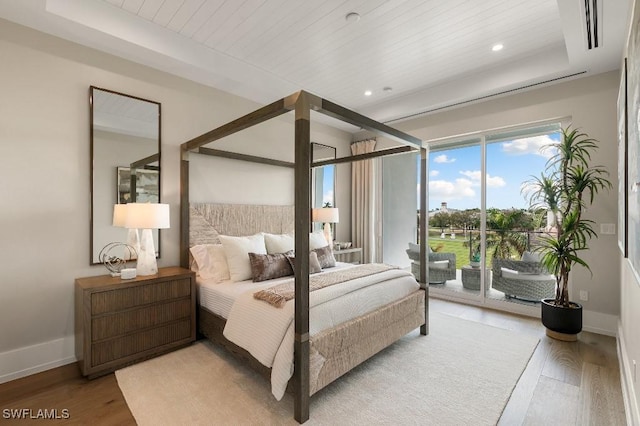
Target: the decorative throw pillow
(416, 248)
(211, 262)
(270, 266)
(236, 251)
(325, 257)
(528, 256)
(439, 264)
(314, 265)
(279, 243)
(317, 240)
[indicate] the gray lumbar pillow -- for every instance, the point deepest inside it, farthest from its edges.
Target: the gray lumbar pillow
(416, 248)
(528, 256)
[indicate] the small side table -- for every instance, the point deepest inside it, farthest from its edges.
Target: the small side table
(350, 255)
(471, 278)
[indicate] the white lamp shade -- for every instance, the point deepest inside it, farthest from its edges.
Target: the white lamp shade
(147, 216)
(119, 215)
(326, 215)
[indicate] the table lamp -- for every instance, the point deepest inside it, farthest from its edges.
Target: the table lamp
(147, 216)
(120, 220)
(327, 215)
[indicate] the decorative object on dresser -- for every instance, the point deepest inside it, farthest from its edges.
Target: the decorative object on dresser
(326, 215)
(117, 265)
(348, 255)
(147, 216)
(120, 322)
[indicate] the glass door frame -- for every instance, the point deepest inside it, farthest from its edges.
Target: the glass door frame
(470, 139)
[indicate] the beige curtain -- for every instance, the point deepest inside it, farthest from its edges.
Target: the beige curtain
(362, 200)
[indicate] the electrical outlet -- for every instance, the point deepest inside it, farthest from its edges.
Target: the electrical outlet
(607, 228)
(584, 295)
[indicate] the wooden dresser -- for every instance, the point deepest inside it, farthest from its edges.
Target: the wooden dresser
(119, 322)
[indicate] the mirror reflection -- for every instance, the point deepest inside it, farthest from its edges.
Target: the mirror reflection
(323, 178)
(125, 149)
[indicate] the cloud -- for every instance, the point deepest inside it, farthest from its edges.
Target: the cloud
(327, 197)
(446, 190)
(532, 145)
(434, 173)
(442, 158)
(492, 181)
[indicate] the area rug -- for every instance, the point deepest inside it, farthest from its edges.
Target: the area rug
(463, 372)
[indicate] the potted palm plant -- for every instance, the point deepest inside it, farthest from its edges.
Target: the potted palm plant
(565, 188)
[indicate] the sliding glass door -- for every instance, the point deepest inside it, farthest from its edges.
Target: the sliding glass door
(455, 201)
(479, 214)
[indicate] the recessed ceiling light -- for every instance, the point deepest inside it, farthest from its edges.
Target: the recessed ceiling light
(368, 92)
(352, 17)
(497, 47)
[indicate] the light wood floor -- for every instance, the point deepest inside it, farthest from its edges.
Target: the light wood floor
(564, 383)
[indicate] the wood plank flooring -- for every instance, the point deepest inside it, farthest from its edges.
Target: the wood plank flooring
(565, 383)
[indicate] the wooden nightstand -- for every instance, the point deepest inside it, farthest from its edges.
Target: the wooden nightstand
(119, 322)
(350, 255)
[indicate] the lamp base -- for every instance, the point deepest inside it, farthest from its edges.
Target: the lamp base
(147, 264)
(327, 234)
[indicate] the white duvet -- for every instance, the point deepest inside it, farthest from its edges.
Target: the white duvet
(267, 333)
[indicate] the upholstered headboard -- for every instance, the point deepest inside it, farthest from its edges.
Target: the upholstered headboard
(207, 221)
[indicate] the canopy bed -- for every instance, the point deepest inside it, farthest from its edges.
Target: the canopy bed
(319, 356)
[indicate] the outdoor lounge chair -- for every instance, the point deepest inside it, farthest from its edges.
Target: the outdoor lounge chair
(522, 280)
(442, 266)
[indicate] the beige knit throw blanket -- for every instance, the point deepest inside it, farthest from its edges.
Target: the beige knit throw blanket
(279, 294)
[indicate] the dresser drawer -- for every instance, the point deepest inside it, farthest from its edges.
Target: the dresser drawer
(113, 325)
(124, 298)
(119, 322)
(121, 347)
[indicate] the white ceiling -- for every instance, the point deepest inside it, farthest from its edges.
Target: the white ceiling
(432, 53)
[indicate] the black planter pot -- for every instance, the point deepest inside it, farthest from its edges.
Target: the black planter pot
(558, 319)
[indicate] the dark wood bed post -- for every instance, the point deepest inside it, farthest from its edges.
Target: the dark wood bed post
(302, 222)
(424, 329)
(184, 207)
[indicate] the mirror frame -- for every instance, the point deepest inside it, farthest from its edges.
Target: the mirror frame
(137, 164)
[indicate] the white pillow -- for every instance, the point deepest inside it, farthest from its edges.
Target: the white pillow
(317, 240)
(515, 275)
(237, 249)
(279, 243)
(211, 262)
(439, 264)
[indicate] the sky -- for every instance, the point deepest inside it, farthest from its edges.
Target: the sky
(327, 185)
(454, 174)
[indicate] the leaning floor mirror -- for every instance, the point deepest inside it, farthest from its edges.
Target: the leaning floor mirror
(125, 162)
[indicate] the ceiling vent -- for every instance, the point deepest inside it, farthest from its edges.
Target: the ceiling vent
(486, 97)
(592, 12)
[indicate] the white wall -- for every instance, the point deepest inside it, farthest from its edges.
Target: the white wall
(399, 206)
(44, 170)
(628, 335)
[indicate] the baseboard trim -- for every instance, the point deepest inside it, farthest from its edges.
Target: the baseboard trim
(594, 322)
(626, 378)
(599, 323)
(34, 359)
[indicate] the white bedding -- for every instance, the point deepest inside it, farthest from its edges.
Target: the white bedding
(273, 345)
(218, 297)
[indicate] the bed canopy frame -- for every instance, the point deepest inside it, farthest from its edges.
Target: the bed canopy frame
(302, 103)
